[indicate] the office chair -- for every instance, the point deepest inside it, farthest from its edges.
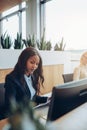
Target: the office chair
(2, 100)
(67, 77)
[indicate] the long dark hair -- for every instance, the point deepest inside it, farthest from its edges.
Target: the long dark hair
(20, 67)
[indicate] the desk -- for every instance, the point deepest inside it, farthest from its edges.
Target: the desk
(40, 112)
(74, 120)
(3, 123)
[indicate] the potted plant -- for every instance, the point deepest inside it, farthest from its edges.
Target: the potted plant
(60, 46)
(18, 43)
(48, 45)
(43, 44)
(6, 41)
(30, 41)
(10, 54)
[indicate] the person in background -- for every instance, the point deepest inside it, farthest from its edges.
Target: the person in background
(24, 82)
(80, 71)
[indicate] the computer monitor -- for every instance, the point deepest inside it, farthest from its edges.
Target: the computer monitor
(66, 97)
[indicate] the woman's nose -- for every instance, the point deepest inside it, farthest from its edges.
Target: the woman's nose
(35, 66)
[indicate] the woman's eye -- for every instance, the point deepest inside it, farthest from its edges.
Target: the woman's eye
(32, 62)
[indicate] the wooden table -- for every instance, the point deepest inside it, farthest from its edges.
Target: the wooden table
(3, 123)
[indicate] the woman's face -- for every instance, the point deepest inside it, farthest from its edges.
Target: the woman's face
(32, 64)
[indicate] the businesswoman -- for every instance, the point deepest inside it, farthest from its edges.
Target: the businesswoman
(80, 71)
(24, 82)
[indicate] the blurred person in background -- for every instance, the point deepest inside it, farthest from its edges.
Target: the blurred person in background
(80, 71)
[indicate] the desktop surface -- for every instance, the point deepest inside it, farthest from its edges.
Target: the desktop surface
(74, 120)
(42, 111)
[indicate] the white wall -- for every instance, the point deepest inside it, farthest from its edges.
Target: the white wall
(57, 57)
(8, 58)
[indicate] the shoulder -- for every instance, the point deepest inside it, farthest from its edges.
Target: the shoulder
(12, 81)
(11, 77)
(78, 68)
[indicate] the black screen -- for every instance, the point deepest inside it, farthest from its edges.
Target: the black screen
(66, 97)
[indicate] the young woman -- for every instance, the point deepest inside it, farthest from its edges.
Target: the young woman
(80, 71)
(24, 82)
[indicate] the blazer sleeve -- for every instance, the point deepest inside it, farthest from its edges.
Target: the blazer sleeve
(10, 91)
(40, 99)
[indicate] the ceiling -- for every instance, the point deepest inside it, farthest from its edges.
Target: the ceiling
(7, 4)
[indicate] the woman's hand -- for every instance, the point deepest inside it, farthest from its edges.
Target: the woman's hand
(49, 99)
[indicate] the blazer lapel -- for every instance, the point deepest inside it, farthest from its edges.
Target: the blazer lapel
(27, 91)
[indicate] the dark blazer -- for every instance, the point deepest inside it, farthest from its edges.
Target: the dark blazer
(18, 90)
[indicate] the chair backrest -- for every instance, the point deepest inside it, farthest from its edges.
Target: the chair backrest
(2, 94)
(67, 77)
(2, 101)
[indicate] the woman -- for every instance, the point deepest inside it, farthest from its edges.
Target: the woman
(24, 82)
(80, 71)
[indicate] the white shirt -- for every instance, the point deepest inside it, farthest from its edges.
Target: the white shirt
(80, 72)
(30, 85)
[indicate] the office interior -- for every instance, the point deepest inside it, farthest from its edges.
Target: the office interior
(55, 64)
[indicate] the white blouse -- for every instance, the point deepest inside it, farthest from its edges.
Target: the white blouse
(80, 72)
(30, 85)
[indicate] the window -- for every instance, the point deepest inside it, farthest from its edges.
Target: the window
(14, 20)
(67, 19)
